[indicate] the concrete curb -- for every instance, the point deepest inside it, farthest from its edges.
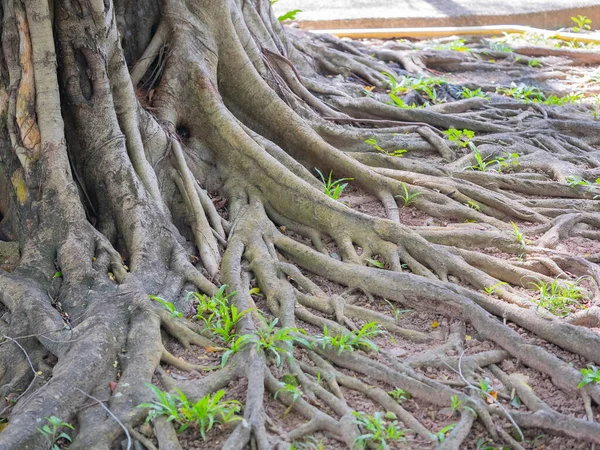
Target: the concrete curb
(548, 19)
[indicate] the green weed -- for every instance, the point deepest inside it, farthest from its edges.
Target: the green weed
(500, 45)
(407, 198)
(295, 393)
(522, 92)
(290, 15)
(559, 298)
(486, 386)
(440, 436)
(590, 375)
(373, 142)
(51, 431)
(493, 289)
(457, 46)
(167, 305)
(471, 204)
(583, 23)
(399, 395)
(333, 188)
(473, 93)
(203, 414)
(237, 344)
(481, 164)
(507, 162)
(376, 432)
(519, 237)
(425, 86)
(460, 137)
(352, 340)
(376, 263)
(270, 338)
(397, 312)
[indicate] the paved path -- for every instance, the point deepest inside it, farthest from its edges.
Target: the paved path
(329, 14)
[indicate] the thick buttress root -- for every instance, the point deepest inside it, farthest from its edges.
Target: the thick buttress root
(127, 195)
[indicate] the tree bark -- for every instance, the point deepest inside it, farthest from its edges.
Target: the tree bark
(155, 148)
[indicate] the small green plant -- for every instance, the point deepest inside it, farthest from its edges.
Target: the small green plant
(519, 237)
(397, 312)
(460, 137)
(484, 444)
(457, 46)
(333, 188)
(218, 316)
(270, 338)
(575, 180)
(352, 340)
(500, 45)
(471, 204)
(486, 386)
(425, 86)
(399, 395)
(373, 142)
(440, 436)
(559, 298)
(210, 304)
(522, 92)
(226, 321)
(295, 393)
(480, 163)
(167, 305)
(51, 431)
(594, 188)
(473, 93)
(590, 375)
(490, 290)
(407, 198)
(376, 432)
(582, 23)
(456, 403)
(376, 263)
(290, 15)
(507, 162)
(534, 63)
(560, 101)
(236, 345)
(203, 414)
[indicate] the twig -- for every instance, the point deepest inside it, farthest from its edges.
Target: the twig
(512, 421)
(112, 415)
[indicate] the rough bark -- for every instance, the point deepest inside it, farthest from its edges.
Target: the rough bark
(121, 120)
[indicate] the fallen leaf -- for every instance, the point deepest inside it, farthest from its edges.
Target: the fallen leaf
(214, 349)
(468, 337)
(3, 426)
(435, 324)
(254, 291)
(494, 394)
(112, 385)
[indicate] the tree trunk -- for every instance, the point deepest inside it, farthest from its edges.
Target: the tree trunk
(154, 149)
